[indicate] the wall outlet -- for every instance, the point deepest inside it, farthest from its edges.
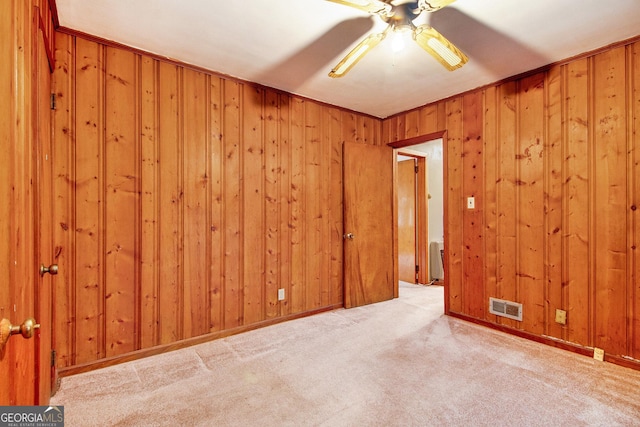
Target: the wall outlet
(471, 203)
(598, 354)
(280, 294)
(561, 316)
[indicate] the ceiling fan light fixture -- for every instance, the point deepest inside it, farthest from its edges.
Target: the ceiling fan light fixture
(349, 61)
(356, 54)
(451, 58)
(439, 47)
(399, 15)
(433, 5)
(371, 6)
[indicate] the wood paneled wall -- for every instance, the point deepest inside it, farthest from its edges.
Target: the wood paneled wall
(185, 200)
(553, 161)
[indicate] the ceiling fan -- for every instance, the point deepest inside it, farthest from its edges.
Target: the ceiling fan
(400, 17)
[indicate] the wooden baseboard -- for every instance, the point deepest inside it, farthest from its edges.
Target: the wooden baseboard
(564, 345)
(139, 354)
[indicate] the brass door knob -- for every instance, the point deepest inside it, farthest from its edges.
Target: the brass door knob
(7, 329)
(52, 269)
(349, 236)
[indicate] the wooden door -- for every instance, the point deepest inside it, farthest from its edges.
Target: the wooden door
(407, 220)
(368, 224)
(43, 212)
(25, 130)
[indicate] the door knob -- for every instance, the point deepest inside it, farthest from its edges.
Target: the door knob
(52, 269)
(7, 329)
(349, 236)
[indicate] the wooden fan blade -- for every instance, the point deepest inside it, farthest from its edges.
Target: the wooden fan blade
(356, 54)
(439, 47)
(433, 5)
(371, 6)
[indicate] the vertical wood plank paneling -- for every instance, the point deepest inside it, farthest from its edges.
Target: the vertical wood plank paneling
(473, 290)
(490, 158)
(610, 205)
(428, 120)
(530, 183)
(390, 130)
(349, 128)
(325, 221)
(64, 292)
(560, 180)
(454, 166)
(298, 213)
(88, 194)
(401, 126)
(121, 205)
(412, 124)
(337, 220)
(189, 187)
(216, 212)
(253, 204)
(506, 195)
(170, 205)
(233, 214)
(272, 204)
(554, 183)
(634, 191)
(285, 201)
(578, 281)
(201, 159)
(313, 207)
(195, 178)
(149, 277)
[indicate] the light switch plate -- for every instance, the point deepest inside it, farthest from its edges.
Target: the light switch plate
(280, 294)
(471, 203)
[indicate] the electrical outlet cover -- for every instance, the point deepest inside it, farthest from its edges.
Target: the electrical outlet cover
(598, 354)
(561, 316)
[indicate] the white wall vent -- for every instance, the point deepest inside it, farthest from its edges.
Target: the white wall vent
(499, 307)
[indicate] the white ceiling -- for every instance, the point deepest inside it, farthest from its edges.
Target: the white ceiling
(292, 44)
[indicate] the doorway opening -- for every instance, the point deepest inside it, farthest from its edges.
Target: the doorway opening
(420, 210)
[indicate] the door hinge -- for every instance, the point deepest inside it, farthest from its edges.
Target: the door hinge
(53, 358)
(416, 168)
(53, 101)
(417, 269)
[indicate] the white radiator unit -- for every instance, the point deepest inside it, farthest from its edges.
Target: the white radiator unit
(436, 260)
(509, 309)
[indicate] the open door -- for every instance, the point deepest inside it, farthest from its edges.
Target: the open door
(43, 213)
(407, 226)
(369, 275)
(25, 199)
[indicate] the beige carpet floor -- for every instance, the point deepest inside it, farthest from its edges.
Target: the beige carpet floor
(396, 363)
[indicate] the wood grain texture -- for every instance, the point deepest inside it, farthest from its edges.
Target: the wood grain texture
(406, 185)
(610, 210)
(633, 61)
(190, 199)
(558, 193)
(552, 158)
(473, 219)
(25, 40)
(368, 212)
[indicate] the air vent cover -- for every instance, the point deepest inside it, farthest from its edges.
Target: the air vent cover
(510, 309)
